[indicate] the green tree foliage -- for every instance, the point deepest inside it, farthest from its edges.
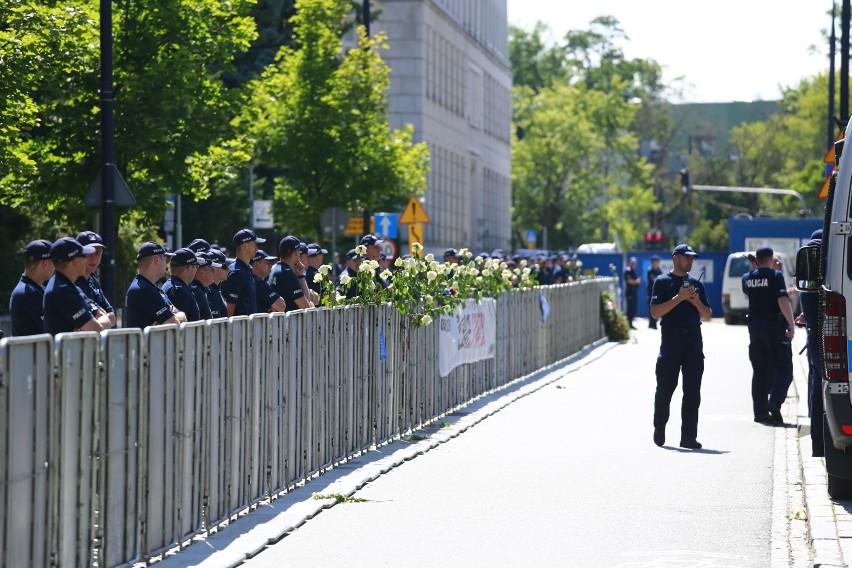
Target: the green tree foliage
(577, 170)
(321, 116)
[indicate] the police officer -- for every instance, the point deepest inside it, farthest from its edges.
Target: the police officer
(631, 289)
(770, 329)
(145, 304)
(289, 281)
(652, 275)
(268, 300)
(239, 289)
(26, 303)
(89, 283)
(808, 318)
(199, 287)
(374, 252)
(315, 258)
(349, 278)
(680, 302)
(218, 306)
(66, 307)
(199, 246)
(184, 264)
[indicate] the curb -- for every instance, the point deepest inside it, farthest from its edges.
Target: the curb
(273, 520)
(821, 535)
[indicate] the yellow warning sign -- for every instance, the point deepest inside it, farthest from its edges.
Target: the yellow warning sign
(356, 226)
(415, 235)
(413, 212)
(823, 189)
(829, 156)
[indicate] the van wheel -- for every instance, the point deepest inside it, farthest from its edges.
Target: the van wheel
(839, 487)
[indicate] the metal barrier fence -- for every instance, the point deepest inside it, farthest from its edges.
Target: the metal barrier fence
(118, 446)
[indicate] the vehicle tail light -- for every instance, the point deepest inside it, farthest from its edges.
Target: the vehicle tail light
(834, 338)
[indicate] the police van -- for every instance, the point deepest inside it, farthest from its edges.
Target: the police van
(827, 271)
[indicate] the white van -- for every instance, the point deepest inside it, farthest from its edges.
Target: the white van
(734, 300)
(827, 271)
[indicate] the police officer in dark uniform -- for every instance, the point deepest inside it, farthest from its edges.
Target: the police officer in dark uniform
(145, 304)
(26, 303)
(771, 329)
(218, 306)
(203, 279)
(348, 285)
(680, 301)
(631, 289)
(374, 252)
(268, 300)
(184, 265)
(808, 318)
(89, 283)
(315, 257)
(652, 275)
(238, 289)
(66, 307)
(289, 281)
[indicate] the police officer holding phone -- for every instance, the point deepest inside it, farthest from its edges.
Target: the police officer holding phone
(680, 302)
(770, 329)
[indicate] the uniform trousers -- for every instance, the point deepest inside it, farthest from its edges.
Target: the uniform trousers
(681, 350)
(815, 405)
(771, 359)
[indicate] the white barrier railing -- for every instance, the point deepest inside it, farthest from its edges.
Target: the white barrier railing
(116, 447)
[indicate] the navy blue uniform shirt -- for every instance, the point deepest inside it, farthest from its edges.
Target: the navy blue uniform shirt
(286, 283)
(310, 273)
(91, 287)
(26, 306)
(66, 307)
(199, 292)
(684, 314)
(266, 296)
(145, 304)
(349, 290)
(181, 297)
(763, 286)
(238, 289)
(218, 307)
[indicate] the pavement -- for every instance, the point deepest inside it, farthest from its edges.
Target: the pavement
(806, 528)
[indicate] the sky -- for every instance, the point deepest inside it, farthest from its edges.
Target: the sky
(725, 50)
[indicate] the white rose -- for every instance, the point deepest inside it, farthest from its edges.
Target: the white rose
(318, 277)
(430, 257)
(425, 320)
(431, 275)
(361, 249)
(344, 279)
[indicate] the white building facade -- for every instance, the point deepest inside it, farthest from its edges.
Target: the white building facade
(450, 78)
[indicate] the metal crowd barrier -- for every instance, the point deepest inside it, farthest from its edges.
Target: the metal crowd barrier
(118, 446)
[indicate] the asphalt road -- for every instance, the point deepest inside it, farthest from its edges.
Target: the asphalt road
(569, 476)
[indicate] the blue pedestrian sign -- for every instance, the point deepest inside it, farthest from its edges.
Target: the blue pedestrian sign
(532, 237)
(387, 225)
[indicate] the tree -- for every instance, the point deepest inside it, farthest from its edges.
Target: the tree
(321, 116)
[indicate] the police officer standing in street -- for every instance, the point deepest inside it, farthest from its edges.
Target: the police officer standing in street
(218, 306)
(631, 289)
(771, 329)
(680, 302)
(268, 300)
(289, 281)
(652, 275)
(808, 318)
(26, 303)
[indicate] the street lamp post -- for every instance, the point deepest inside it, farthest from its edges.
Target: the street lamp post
(107, 153)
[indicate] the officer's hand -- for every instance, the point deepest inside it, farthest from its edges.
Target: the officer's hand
(299, 268)
(686, 293)
(791, 331)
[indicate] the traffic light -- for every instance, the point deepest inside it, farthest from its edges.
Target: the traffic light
(654, 239)
(684, 181)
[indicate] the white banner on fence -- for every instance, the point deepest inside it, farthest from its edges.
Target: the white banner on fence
(469, 335)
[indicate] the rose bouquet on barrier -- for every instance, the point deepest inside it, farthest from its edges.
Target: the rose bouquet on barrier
(425, 289)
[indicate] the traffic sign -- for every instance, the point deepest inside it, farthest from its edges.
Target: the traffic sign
(532, 238)
(387, 225)
(356, 226)
(415, 235)
(413, 212)
(262, 216)
(388, 248)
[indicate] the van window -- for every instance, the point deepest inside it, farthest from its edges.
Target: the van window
(739, 266)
